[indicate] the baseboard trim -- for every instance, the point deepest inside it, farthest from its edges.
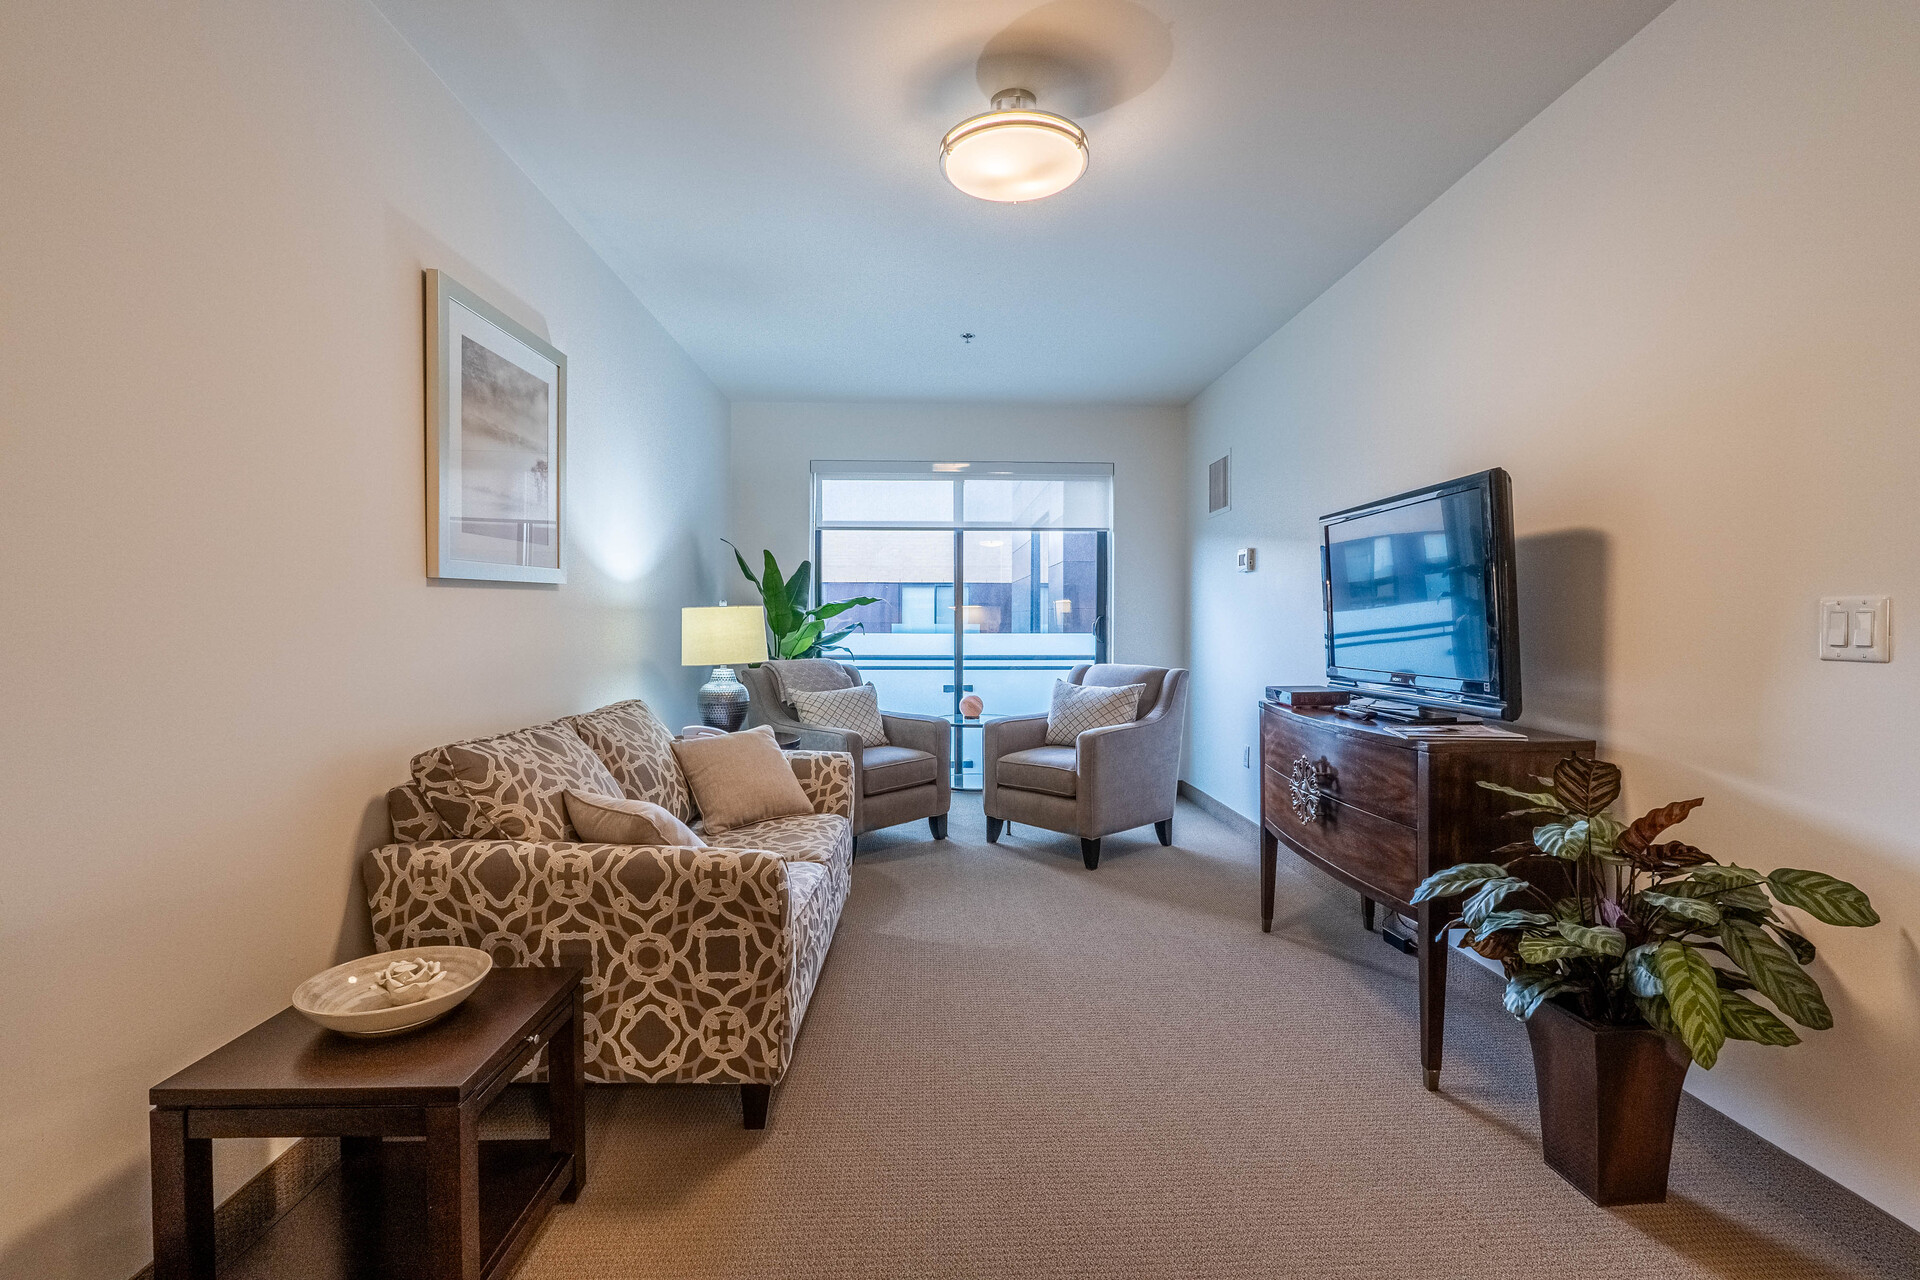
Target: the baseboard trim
(1216, 809)
(243, 1217)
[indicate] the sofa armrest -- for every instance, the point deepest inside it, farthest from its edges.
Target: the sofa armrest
(690, 953)
(930, 734)
(828, 779)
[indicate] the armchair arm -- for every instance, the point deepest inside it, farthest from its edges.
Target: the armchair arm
(690, 950)
(930, 734)
(827, 777)
(813, 738)
(1129, 773)
(1008, 734)
(1000, 737)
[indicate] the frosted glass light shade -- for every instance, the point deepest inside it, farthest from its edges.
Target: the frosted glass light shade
(1014, 155)
(723, 636)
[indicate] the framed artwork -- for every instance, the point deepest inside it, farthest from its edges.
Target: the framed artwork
(496, 443)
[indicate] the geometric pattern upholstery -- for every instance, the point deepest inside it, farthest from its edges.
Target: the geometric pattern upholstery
(701, 962)
(811, 837)
(512, 786)
(856, 710)
(1078, 708)
(638, 751)
(826, 777)
(691, 953)
(412, 817)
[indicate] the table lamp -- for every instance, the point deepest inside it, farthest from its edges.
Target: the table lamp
(719, 638)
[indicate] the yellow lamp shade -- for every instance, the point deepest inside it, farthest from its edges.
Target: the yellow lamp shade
(723, 636)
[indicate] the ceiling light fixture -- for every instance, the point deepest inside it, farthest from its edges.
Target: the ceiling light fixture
(1013, 152)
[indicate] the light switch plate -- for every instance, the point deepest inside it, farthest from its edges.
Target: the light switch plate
(1856, 629)
(1243, 560)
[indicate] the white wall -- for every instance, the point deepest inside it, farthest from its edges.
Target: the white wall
(1682, 307)
(219, 643)
(773, 443)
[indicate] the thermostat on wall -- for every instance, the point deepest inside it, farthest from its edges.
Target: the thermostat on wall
(1243, 560)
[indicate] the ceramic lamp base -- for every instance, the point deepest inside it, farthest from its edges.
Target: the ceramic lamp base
(723, 701)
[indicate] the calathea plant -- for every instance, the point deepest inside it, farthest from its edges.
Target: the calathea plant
(1651, 931)
(798, 632)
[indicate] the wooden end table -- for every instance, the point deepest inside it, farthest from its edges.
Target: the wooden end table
(449, 1208)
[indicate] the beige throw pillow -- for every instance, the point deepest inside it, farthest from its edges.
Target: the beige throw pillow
(740, 778)
(857, 710)
(1077, 708)
(618, 820)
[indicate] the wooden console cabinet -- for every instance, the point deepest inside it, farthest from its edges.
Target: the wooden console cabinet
(1380, 813)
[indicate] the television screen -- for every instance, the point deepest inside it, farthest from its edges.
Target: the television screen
(1409, 589)
(1417, 595)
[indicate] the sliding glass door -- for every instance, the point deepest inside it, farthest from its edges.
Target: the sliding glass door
(992, 579)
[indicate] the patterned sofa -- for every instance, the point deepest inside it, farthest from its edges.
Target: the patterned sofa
(700, 962)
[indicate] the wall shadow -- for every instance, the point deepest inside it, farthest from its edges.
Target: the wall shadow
(87, 1237)
(1563, 588)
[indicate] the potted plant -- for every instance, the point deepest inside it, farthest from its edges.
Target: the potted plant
(1645, 955)
(798, 632)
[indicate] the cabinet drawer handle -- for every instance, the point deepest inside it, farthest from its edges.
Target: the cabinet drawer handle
(1309, 787)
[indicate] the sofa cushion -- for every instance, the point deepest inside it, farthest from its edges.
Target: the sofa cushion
(1054, 770)
(618, 820)
(414, 820)
(857, 710)
(511, 787)
(638, 751)
(1113, 675)
(1078, 708)
(813, 837)
(740, 778)
(884, 769)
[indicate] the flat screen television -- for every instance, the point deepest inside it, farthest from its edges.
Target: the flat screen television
(1420, 597)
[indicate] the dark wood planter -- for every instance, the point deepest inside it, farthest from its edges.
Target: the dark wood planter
(1608, 1097)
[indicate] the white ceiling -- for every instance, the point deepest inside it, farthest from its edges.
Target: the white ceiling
(764, 173)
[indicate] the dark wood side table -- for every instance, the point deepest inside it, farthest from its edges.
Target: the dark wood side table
(1381, 813)
(449, 1208)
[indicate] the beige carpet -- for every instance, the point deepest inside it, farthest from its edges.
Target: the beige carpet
(1016, 1067)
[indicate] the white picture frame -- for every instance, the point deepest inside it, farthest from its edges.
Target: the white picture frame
(496, 442)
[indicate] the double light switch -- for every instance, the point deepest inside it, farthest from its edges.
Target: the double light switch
(1856, 629)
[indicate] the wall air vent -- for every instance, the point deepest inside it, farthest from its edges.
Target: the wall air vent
(1218, 495)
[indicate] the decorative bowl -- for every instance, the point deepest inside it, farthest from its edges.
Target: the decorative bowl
(394, 991)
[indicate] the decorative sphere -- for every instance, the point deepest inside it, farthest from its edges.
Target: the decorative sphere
(971, 706)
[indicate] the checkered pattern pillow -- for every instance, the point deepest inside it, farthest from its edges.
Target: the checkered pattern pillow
(856, 710)
(1078, 707)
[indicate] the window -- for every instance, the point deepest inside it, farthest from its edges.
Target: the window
(1022, 548)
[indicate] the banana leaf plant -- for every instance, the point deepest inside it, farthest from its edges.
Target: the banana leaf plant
(798, 632)
(1654, 931)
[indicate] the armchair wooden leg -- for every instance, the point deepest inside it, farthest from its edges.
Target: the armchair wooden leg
(753, 1105)
(1090, 854)
(993, 829)
(1164, 829)
(1366, 913)
(938, 825)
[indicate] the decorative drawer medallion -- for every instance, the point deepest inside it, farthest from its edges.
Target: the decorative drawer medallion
(1307, 788)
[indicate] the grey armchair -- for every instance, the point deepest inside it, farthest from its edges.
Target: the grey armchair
(911, 777)
(1112, 779)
